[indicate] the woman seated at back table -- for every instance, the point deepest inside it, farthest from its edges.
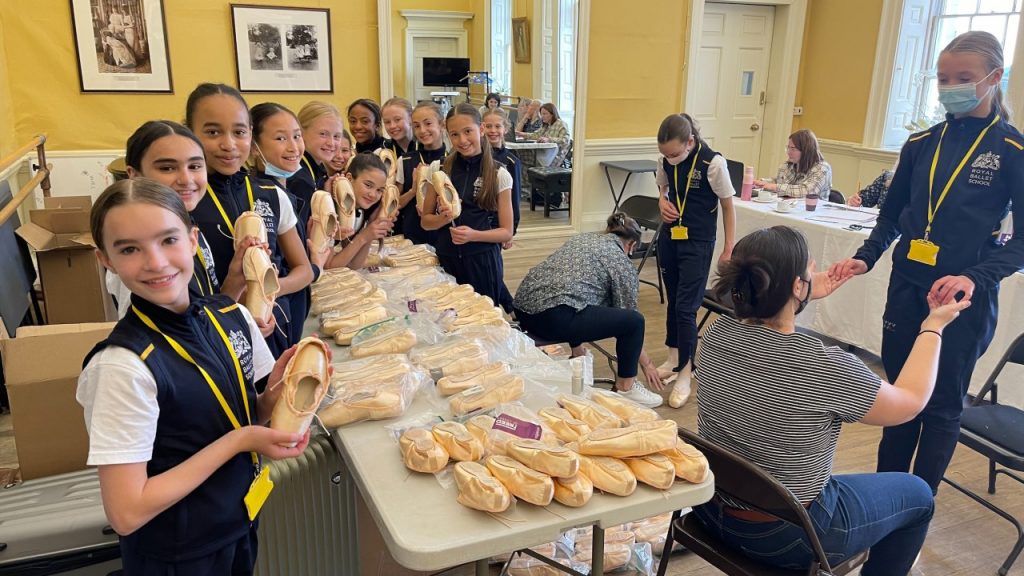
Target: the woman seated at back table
(587, 291)
(804, 171)
(874, 195)
(553, 129)
(778, 398)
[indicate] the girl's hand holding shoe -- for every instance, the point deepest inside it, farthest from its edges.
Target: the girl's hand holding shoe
(318, 259)
(266, 328)
(271, 443)
(377, 229)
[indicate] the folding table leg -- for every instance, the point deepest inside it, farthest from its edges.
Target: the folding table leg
(483, 568)
(597, 560)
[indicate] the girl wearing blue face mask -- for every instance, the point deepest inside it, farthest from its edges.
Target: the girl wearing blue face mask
(694, 181)
(953, 186)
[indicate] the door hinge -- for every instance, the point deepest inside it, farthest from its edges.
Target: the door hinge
(762, 98)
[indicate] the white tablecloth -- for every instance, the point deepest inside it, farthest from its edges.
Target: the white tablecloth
(545, 151)
(854, 313)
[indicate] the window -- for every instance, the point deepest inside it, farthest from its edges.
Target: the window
(926, 26)
(501, 46)
(565, 99)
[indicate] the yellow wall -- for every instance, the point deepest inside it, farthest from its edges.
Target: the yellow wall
(8, 140)
(44, 76)
(474, 29)
(522, 74)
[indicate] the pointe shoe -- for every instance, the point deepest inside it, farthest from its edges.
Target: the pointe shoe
(325, 220)
(422, 183)
(261, 284)
(421, 452)
(346, 300)
(390, 202)
(447, 195)
(667, 368)
(397, 241)
(563, 424)
(370, 367)
(631, 441)
(480, 426)
(390, 162)
(479, 489)
(654, 470)
(437, 291)
(530, 566)
(452, 355)
(627, 410)
(305, 384)
(345, 197)
(595, 415)
(388, 374)
(615, 556)
(345, 337)
(417, 260)
(456, 383)
(502, 389)
(395, 340)
(352, 320)
(690, 464)
(575, 491)
(459, 297)
(652, 530)
(551, 460)
(524, 483)
(458, 442)
(621, 535)
(362, 404)
(249, 224)
(608, 474)
(680, 389)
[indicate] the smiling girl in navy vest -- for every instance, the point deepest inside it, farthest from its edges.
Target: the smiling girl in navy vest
(175, 424)
(364, 122)
(368, 176)
(427, 124)
(469, 247)
(953, 186)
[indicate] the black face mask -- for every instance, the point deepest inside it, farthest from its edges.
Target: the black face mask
(806, 299)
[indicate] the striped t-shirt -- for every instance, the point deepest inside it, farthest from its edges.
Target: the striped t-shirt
(779, 400)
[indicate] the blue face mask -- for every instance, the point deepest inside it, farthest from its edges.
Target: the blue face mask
(962, 98)
(275, 171)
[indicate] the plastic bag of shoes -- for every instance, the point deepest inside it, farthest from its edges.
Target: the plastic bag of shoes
(394, 339)
(456, 383)
(551, 460)
(563, 424)
(627, 410)
(421, 452)
(305, 384)
(655, 470)
(690, 464)
(529, 566)
(352, 319)
(595, 415)
(480, 426)
(631, 441)
(434, 293)
(524, 483)
(479, 489)
(653, 531)
(615, 556)
(360, 404)
(575, 491)
(248, 224)
(261, 284)
(447, 195)
(370, 367)
(548, 550)
(608, 474)
(504, 388)
(325, 220)
(458, 442)
(388, 374)
(433, 357)
(615, 536)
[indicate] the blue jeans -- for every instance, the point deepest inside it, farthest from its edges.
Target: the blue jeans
(886, 512)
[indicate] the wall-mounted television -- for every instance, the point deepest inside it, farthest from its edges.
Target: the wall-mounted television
(445, 71)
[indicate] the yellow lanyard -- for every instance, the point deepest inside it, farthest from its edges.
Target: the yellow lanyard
(206, 269)
(686, 194)
(220, 208)
(312, 172)
(206, 375)
(931, 175)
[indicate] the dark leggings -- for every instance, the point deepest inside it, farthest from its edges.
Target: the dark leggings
(564, 324)
(685, 266)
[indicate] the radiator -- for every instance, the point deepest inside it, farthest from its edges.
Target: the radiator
(308, 525)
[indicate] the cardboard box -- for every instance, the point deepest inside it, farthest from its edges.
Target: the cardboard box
(42, 365)
(72, 278)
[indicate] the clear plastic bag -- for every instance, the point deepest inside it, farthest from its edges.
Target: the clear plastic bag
(360, 399)
(396, 335)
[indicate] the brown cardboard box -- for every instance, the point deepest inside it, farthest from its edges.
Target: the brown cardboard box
(72, 278)
(42, 364)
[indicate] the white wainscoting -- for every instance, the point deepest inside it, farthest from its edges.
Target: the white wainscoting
(595, 199)
(75, 173)
(853, 165)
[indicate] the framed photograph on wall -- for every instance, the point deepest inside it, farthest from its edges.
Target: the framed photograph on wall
(521, 40)
(121, 45)
(280, 49)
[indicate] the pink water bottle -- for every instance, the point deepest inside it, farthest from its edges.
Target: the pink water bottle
(748, 183)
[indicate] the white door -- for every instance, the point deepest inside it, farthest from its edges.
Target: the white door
(429, 47)
(735, 51)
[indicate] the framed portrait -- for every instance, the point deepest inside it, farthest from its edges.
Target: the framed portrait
(121, 45)
(521, 40)
(280, 49)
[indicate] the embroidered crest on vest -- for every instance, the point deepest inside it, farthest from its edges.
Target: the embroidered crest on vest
(244, 352)
(988, 160)
(262, 207)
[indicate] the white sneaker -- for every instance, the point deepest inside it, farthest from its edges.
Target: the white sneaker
(642, 396)
(681, 389)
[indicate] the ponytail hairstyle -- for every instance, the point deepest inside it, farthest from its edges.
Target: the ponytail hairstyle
(488, 196)
(807, 143)
(624, 227)
(145, 135)
(985, 44)
(205, 90)
(259, 115)
(759, 276)
(137, 190)
(374, 109)
(679, 127)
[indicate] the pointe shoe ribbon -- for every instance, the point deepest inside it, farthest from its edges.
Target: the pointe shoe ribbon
(595, 415)
(261, 283)
(390, 163)
(305, 384)
(447, 195)
(690, 463)
(608, 474)
(421, 452)
(654, 470)
(563, 424)
(632, 441)
(524, 483)
(575, 491)
(479, 489)
(325, 220)
(248, 224)
(554, 461)
(627, 410)
(345, 198)
(504, 388)
(456, 439)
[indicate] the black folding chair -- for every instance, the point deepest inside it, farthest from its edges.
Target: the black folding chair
(645, 210)
(735, 175)
(836, 197)
(744, 482)
(712, 304)
(996, 431)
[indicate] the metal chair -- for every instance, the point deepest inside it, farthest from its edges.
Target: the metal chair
(712, 304)
(836, 197)
(744, 482)
(645, 210)
(735, 175)
(996, 431)
(608, 356)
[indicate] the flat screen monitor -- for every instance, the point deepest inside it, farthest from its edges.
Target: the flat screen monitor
(445, 71)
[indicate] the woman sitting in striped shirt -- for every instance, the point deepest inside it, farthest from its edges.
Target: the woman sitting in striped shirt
(779, 398)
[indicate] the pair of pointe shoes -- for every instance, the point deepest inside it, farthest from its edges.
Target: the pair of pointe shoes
(455, 383)
(689, 463)
(522, 481)
(374, 368)
(630, 412)
(359, 403)
(556, 461)
(480, 489)
(421, 451)
(390, 340)
(505, 388)
(632, 441)
(305, 385)
(447, 195)
(452, 358)
(595, 415)
(564, 424)
(458, 441)
(422, 178)
(345, 199)
(343, 327)
(325, 221)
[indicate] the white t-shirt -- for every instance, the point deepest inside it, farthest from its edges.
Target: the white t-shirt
(718, 176)
(118, 392)
(504, 179)
(286, 220)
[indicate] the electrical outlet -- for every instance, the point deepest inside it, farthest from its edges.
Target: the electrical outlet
(798, 110)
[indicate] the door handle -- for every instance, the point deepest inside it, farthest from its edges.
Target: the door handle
(755, 127)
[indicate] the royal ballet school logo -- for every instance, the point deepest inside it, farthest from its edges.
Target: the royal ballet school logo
(983, 169)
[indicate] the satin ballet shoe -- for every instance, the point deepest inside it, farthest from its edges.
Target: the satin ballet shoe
(418, 260)
(325, 220)
(627, 410)
(390, 202)
(332, 274)
(345, 197)
(373, 260)
(421, 452)
(480, 426)
(502, 389)
(632, 441)
(447, 195)
(565, 426)
(690, 463)
(655, 470)
(652, 530)
(524, 483)
(439, 290)
(305, 384)
(390, 162)
(478, 319)
(457, 297)
(348, 300)
(458, 442)
(368, 367)
(608, 474)
(479, 489)
(261, 283)
(422, 183)
(595, 415)
(575, 491)
(395, 340)
(680, 388)
(441, 354)
(345, 337)
(453, 384)
(249, 224)
(467, 363)
(340, 291)
(551, 460)
(621, 535)
(397, 241)
(391, 374)
(329, 283)
(615, 556)
(363, 404)
(353, 319)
